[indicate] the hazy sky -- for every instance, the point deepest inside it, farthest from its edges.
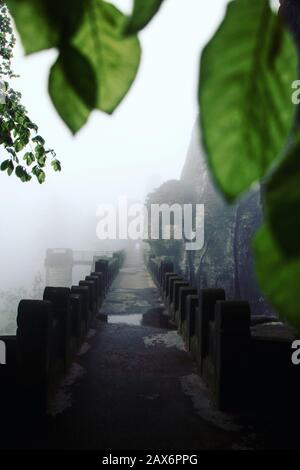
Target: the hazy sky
(144, 142)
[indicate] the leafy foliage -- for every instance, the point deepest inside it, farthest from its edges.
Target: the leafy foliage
(115, 59)
(245, 94)
(247, 70)
(27, 155)
(282, 201)
(278, 276)
(142, 14)
(31, 17)
(247, 118)
(71, 72)
(96, 65)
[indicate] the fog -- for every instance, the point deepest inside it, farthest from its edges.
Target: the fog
(142, 145)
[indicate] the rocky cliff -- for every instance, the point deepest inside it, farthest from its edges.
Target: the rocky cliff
(226, 260)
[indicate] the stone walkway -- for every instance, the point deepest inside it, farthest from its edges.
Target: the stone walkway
(133, 385)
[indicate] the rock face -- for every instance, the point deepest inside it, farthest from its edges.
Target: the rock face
(225, 260)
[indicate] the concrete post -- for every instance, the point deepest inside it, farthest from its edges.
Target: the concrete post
(167, 292)
(232, 329)
(60, 299)
(96, 281)
(84, 292)
(207, 301)
(77, 322)
(165, 267)
(180, 314)
(189, 326)
(170, 290)
(165, 283)
(34, 353)
(101, 285)
(92, 299)
(174, 305)
(101, 266)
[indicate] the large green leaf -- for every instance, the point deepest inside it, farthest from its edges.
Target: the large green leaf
(282, 201)
(80, 75)
(143, 12)
(33, 24)
(245, 94)
(72, 87)
(278, 277)
(115, 59)
(44, 24)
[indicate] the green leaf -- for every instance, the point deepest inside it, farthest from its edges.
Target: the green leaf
(5, 165)
(245, 94)
(40, 174)
(39, 140)
(12, 152)
(56, 165)
(278, 277)
(42, 161)
(10, 168)
(143, 12)
(33, 24)
(5, 138)
(35, 170)
(44, 24)
(21, 173)
(39, 151)
(80, 75)
(41, 177)
(26, 177)
(69, 104)
(115, 59)
(29, 158)
(282, 201)
(20, 143)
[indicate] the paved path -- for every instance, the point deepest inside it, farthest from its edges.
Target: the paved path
(133, 386)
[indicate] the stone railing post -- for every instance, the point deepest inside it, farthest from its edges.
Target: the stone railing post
(84, 293)
(165, 267)
(206, 314)
(101, 266)
(168, 286)
(92, 299)
(232, 329)
(189, 327)
(101, 285)
(60, 299)
(174, 306)
(34, 353)
(77, 322)
(181, 312)
(96, 281)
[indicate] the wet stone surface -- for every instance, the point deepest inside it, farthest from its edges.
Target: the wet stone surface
(134, 386)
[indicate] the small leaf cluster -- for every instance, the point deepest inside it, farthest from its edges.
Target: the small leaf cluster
(26, 152)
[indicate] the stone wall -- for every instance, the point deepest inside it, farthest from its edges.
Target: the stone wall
(225, 260)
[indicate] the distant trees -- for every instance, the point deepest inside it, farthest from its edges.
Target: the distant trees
(170, 193)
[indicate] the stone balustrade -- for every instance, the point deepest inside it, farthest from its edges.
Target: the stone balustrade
(238, 356)
(49, 334)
